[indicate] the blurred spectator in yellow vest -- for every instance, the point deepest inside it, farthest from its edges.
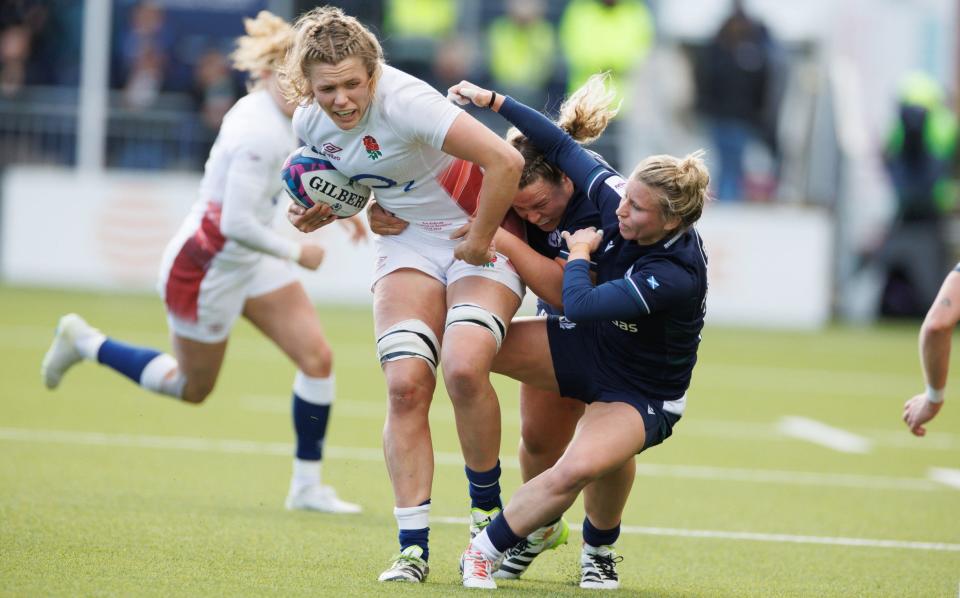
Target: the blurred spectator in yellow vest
(919, 156)
(604, 35)
(522, 51)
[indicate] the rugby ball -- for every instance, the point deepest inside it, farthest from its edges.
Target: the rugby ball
(309, 178)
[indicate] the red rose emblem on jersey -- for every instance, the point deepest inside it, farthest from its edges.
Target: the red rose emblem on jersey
(372, 147)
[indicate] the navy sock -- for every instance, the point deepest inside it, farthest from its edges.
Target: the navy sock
(310, 425)
(416, 537)
(599, 537)
(500, 534)
(485, 488)
(129, 360)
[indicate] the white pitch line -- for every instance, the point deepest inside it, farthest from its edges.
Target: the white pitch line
(947, 477)
(285, 449)
(820, 433)
(756, 537)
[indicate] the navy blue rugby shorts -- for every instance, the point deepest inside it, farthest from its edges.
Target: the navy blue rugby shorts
(573, 351)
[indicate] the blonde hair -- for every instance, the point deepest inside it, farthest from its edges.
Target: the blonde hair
(584, 116)
(264, 47)
(326, 35)
(680, 184)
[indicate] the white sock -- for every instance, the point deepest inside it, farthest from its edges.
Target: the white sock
(305, 473)
(89, 345)
(412, 517)
(319, 391)
(163, 375)
(484, 545)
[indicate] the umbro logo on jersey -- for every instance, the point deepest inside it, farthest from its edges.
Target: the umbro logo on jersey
(650, 410)
(608, 247)
(566, 324)
(329, 150)
(653, 283)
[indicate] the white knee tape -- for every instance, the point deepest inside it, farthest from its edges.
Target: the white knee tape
(471, 314)
(409, 338)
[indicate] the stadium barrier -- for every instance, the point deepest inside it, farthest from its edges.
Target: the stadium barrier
(770, 265)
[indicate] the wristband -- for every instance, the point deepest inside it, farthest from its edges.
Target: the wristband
(493, 98)
(295, 253)
(934, 396)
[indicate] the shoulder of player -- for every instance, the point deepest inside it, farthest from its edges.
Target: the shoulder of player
(397, 89)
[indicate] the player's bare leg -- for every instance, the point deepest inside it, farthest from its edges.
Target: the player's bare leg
(287, 317)
(409, 309)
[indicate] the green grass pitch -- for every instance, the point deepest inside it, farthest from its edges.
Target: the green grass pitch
(106, 490)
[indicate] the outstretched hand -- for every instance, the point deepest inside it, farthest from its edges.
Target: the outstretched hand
(466, 92)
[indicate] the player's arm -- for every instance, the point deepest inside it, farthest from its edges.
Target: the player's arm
(544, 276)
(502, 164)
(383, 222)
(558, 147)
(935, 343)
(248, 184)
(582, 301)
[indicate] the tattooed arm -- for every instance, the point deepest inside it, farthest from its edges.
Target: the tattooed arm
(935, 337)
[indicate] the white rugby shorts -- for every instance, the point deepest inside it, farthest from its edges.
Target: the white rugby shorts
(207, 312)
(434, 256)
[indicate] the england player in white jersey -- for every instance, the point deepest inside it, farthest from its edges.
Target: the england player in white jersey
(226, 261)
(423, 157)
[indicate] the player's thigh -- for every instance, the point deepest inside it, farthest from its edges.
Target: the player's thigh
(607, 436)
(525, 354)
(477, 343)
(404, 300)
(288, 318)
(409, 294)
(547, 419)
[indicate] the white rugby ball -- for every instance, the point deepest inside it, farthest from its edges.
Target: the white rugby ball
(309, 178)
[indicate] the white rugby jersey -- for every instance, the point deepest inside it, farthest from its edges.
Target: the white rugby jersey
(231, 219)
(395, 149)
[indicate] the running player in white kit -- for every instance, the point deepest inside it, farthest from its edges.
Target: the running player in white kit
(423, 157)
(226, 261)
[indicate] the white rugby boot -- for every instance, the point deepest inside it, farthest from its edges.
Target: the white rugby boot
(518, 558)
(479, 520)
(63, 353)
(598, 568)
(408, 566)
(317, 497)
(476, 569)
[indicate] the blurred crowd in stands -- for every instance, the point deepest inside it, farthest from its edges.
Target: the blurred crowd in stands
(171, 81)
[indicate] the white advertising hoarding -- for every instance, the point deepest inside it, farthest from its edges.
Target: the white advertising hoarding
(108, 232)
(770, 265)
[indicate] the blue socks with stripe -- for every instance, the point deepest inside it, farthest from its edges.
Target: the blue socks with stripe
(485, 488)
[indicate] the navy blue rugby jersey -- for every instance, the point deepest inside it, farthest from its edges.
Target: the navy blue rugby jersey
(649, 302)
(580, 213)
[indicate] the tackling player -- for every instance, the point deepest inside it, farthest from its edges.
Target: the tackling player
(226, 261)
(625, 347)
